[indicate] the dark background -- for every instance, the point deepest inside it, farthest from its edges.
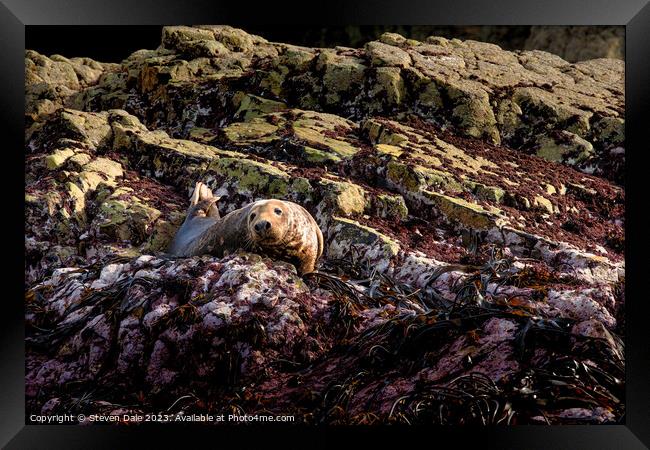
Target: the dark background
(108, 43)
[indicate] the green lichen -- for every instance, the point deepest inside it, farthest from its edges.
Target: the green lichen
(314, 155)
(105, 166)
(568, 146)
(490, 193)
(382, 54)
(414, 178)
(389, 87)
(390, 206)
(253, 176)
(56, 159)
(127, 219)
(350, 232)
(469, 214)
(543, 203)
(250, 106)
(340, 74)
(345, 198)
(340, 149)
(255, 131)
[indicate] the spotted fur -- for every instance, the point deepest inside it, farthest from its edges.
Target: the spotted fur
(292, 235)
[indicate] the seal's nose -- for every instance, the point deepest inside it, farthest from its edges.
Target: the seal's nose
(262, 225)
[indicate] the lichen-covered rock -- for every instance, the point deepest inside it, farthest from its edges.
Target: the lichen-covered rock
(375, 248)
(578, 43)
(467, 195)
(516, 98)
(51, 83)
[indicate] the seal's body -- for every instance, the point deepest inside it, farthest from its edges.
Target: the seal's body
(280, 229)
(201, 216)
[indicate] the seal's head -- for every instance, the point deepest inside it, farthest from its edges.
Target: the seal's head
(268, 221)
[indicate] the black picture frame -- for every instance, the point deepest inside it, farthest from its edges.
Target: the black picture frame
(15, 15)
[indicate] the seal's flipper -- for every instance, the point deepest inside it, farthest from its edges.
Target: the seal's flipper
(205, 200)
(213, 211)
(201, 192)
(204, 192)
(194, 199)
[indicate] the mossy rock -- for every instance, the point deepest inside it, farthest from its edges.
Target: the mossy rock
(89, 180)
(315, 155)
(163, 232)
(312, 128)
(254, 131)
(609, 130)
(391, 150)
(201, 135)
(413, 178)
(92, 128)
(342, 197)
(273, 80)
(390, 206)
(341, 74)
(58, 158)
(484, 192)
(111, 169)
(314, 137)
(382, 54)
(374, 129)
(346, 234)
(543, 203)
(250, 106)
(472, 111)
(78, 200)
(388, 90)
(252, 176)
(457, 209)
(123, 216)
(79, 160)
(295, 57)
(564, 147)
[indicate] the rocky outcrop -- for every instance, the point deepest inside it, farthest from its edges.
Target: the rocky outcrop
(578, 43)
(467, 195)
(572, 43)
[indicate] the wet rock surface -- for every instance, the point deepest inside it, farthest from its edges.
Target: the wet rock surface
(469, 198)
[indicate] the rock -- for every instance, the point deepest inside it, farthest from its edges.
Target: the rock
(376, 248)
(220, 320)
(58, 158)
(107, 167)
(313, 129)
(382, 54)
(51, 82)
(342, 198)
(341, 74)
(493, 94)
(124, 217)
(249, 106)
(565, 147)
(389, 87)
(470, 200)
(389, 206)
(543, 203)
(252, 132)
(578, 43)
(468, 214)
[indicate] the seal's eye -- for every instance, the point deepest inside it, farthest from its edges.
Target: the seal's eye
(252, 216)
(278, 211)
